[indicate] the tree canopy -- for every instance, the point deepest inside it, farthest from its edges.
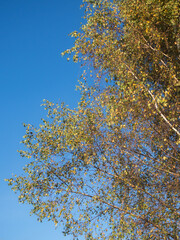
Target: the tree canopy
(109, 169)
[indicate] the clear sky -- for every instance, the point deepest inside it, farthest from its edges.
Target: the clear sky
(33, 33)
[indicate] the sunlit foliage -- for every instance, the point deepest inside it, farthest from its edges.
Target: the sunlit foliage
(109, 169)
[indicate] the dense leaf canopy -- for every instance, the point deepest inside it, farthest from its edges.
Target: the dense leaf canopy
(109, 169)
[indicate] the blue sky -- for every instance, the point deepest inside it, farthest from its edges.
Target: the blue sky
(32, 36)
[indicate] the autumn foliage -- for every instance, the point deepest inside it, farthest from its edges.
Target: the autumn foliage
(109, 169)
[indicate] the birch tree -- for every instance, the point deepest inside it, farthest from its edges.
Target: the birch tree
(109, 169)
